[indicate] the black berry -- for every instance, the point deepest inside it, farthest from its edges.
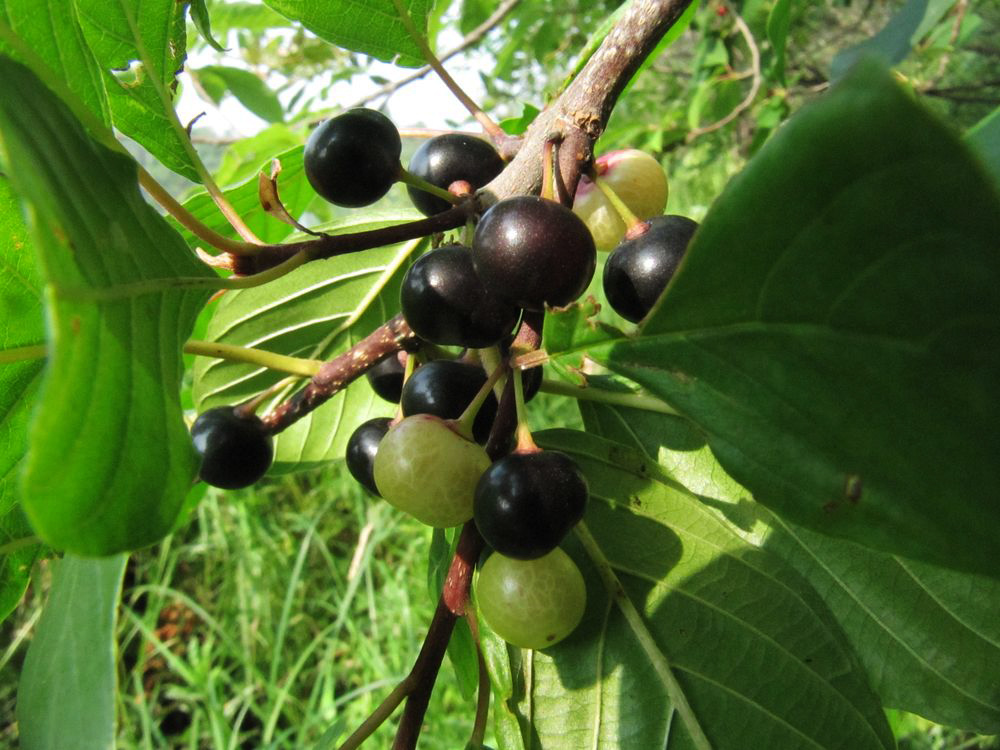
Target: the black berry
(444, 301)
(386, 378)
(638, 270)
(446, 159)
(361, 450)
(526, 503)
(444, 388)
(236, 450)
(353, 159)
(534, 252)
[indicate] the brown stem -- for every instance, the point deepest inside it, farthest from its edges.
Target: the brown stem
(334, 375)
(454, 596)
(328, 246)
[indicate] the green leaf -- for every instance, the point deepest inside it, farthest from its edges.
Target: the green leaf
(53, 33)
(928, 637)
(24, 326)
(110, 458)
(844, 379)
(891, 45)
(984, 138)
(778, 21)
(250, 90)
(66, 697)
(371, 27)
(755, 652)
(294, 189)
(158, 35)
(202, 22)
(317, 311)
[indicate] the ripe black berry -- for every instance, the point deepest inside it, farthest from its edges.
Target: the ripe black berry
(386, 378)
(361, 450)
(444, 301)
(526, 503)
(638, 270)
(353, 159)
(235, 450)
(444, 388)
(446, 159)
(534, 252)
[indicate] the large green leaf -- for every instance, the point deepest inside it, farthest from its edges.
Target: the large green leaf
(372, 27)
(110, 459)
(834, 351)
(317, 311)
(252, 92)
(927, 637)
(23, 326)
(53, 33)
(125, 35)
(755, 652)
(66, 698)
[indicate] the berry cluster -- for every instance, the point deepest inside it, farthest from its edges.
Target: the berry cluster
(526, 254)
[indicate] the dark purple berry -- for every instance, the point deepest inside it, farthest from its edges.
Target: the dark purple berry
(534, 252)
(444, 301)
(361, 450)
(353, 159)
(448, 158)
(386, 378)
(236, 450)
(639, 269)
(444, 388)
(527, 502)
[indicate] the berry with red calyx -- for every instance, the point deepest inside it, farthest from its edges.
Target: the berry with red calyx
(531, 603)
(637, 178)
(426, 469)
(353, 159)
(235, 448)
(386, 378)
(445, 302)
(450, 158)
(533, 252)
(362, 447)
(444, 388)
(527, 502)
(639, 269)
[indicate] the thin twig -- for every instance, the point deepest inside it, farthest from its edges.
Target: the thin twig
(470, 39)
(748, 100)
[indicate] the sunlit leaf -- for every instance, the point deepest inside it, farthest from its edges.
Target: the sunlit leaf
(66, 697)
(110, 459)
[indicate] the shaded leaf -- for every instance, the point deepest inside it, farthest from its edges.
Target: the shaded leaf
(316, 312)
(66, 697)
(371, 27)
(984, 137)
(137, 110)
(890, 45)
(844, 380)
(778, 21)
(202, 22)
(110, 458)
(754, 650)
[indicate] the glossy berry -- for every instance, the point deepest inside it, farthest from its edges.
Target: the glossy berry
(362, 447)
(353, 159)
(386, 378)
(638, 270)
(235, 450)
(448, 158)
(444, 301)
(444, 388)
(533, 252)
(637, 178)
(428, 470)
(527, 502)
(531, 603)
